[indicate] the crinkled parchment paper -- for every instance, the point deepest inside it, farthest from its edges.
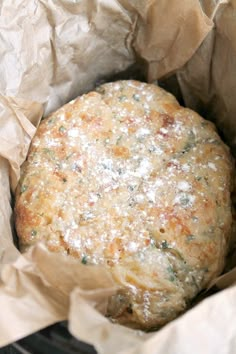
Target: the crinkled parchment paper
(208, 80)
(52, 51)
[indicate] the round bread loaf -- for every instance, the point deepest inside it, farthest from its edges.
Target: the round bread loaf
(127, 178)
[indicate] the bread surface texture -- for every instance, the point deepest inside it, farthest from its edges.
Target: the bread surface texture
(127, 178)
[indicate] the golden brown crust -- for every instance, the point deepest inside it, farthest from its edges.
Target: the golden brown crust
(128, 178)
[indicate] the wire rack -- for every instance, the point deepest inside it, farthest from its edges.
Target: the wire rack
(52, 340)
